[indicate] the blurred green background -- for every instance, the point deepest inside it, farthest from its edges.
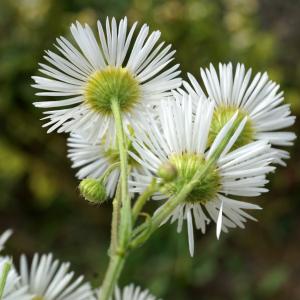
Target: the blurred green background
(39, 195)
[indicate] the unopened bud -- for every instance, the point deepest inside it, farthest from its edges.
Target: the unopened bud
(93, 190)
(167, 171)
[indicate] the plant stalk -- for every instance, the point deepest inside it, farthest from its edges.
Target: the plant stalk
(143, 198)
(123, 228)
(112, 275)
(115, 221)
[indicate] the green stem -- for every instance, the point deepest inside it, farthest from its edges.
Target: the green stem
(115, 221)
(122, 147)
(108, 171)
(117, 258)
(3, 278)
(126, 221)
(113, 272)
(143, 198)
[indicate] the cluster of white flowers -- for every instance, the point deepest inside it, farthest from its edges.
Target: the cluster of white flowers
(166, 120)
(122, 79)
(47, 279)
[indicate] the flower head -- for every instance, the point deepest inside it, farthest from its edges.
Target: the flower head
(133, 72)
(47, 279)
(180, 137)
(259, 99)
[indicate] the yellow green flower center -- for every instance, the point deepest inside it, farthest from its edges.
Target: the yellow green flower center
(111, 84)
(222, 115)
(187, 164)
(38, 298)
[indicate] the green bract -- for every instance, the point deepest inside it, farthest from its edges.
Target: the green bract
(187, 164)
(221, 116)
(111, 84)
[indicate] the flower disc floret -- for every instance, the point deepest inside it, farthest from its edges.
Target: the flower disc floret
(187, 164)
(112, 84)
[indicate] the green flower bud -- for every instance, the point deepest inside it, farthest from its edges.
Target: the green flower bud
(93, 190)
(167, 171)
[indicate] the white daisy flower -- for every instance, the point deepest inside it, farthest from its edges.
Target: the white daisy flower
(133, 71)
(258, 98)
(12, 290)
(4, 237)
(94, 160)
(132, 292)
(48, 279)
(180, 137)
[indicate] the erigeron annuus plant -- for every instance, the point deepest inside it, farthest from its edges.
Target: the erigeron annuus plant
(136, 134)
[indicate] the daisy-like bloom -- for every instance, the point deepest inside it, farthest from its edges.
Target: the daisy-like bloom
(48, 279)
(12, 290)
(180, 137)
(132, 292)
(4, 237)
(88, 77)
(258, 98)
(94, 160)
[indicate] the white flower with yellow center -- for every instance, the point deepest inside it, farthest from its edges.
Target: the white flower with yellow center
(258, 98)
(180, 137)
(4, 237)
(48, 279)
(132, 292)
(12, 289)
(97, 161)
(133, 72)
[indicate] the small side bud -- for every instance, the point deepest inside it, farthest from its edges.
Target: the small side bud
(167, 171)
(93, 190)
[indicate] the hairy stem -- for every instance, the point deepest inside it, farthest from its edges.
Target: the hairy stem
(113, 272)
(143, 198)
(115, 221)
(122, 229)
